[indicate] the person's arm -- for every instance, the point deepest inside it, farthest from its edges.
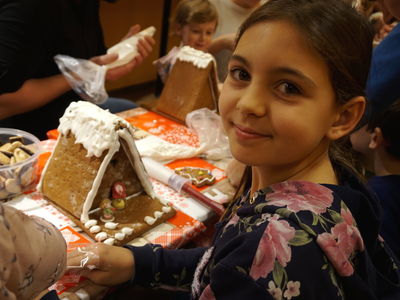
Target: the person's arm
(226, 41)
(19, 93)
(150, 265)
(33, 254)
(33, 93)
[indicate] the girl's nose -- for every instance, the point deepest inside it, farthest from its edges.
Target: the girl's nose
(253, 101)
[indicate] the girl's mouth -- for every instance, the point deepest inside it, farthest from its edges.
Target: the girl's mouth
(247, 133)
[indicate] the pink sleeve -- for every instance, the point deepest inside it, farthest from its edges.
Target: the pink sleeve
(33, 254)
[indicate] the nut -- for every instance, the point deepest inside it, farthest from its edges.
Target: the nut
(6, 147)
(4, 159)
(12, 186)
(27, 177)
(14, 146)
(2, 182)
(20, 155)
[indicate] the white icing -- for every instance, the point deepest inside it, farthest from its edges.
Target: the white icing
(119, 236)
(101, 236)
(198, 58)
(109, 241)
(160, 150)
(139, 167)
(111, 225)
(95, 229)
(90, 223)
(158, 214)
(92, 126)
(149, 220)
(127, 230)
(166, 209)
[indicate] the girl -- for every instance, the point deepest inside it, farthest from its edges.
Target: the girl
(194, 22)
(304, 227)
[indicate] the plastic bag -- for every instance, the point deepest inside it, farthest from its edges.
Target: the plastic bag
(208, 127)
(87, 78)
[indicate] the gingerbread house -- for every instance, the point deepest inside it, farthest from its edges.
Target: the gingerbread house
(96, 176)
(191, 84)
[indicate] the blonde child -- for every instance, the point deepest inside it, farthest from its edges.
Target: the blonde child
(304, 226)
(194, 22)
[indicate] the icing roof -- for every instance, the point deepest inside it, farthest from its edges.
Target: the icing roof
(199, 58)
(92, 126)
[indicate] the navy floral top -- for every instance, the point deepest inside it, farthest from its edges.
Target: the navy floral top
(292, 240)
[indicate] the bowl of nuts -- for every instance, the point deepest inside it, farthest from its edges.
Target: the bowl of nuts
(19, 151)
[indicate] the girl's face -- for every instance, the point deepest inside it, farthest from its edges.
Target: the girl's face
(198, 35)
(277, 103)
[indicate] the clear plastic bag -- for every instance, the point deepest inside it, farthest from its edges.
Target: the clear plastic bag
(208, 127)
(87, 78)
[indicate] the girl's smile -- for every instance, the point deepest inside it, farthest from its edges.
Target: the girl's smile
(245, 133)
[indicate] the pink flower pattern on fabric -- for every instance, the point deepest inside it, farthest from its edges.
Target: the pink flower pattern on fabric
(300, 195)
(273, 245)
(292, 290)
(341, 243)
(233, 221)
(207, 294)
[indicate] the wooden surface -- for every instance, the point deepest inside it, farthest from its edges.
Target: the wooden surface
(118, 17)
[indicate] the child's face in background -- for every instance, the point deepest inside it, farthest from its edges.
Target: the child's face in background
(197, 35)
(360, 140)
(277, 103)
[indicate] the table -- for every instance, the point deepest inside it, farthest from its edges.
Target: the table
(184, 226)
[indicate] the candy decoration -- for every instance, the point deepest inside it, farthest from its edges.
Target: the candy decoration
(119, 204)
(118, 190)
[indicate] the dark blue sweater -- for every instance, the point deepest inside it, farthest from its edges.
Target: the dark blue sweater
(297, 240)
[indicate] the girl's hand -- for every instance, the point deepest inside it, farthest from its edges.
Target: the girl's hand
(102, 264)
(145, 46)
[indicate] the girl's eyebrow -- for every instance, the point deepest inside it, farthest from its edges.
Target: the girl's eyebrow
(240, 59)
(296, 73)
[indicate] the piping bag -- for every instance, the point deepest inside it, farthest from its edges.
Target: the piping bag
(178, 183)
(87, 78)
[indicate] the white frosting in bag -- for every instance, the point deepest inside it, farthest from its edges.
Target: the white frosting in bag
(127, 49)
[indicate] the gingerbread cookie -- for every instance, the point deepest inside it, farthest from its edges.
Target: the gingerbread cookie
(199, 176)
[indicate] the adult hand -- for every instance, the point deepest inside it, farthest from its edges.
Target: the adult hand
(102, 264)
(144, 47)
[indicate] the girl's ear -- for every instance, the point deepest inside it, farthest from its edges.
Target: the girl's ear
(348, 116)
(376, 139)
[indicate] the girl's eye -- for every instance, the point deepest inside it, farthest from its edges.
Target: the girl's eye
(288, 88)
(239, 74)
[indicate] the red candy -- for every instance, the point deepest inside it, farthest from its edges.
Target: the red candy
(118, 190)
